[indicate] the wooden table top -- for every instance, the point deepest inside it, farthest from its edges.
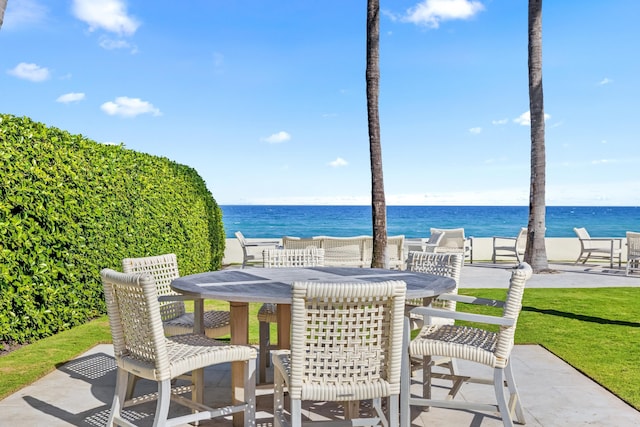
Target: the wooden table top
(273, 285)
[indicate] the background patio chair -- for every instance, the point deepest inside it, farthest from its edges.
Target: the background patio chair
(251, 251)
(142, 350)
(633, 252)
(346, 346)
(268, 313)
(454, 241)
(598, 248)
(513, 247)
(474, 344)
(175, 319)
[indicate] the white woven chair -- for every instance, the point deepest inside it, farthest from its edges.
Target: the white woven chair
(176, 321)
(513, 247)
(346, 346)
(474, 344)
(142, 350)
(633, 252)
(441, 264)
(268, 313)
(604, 248)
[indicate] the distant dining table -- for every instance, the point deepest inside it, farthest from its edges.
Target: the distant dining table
(273, 285)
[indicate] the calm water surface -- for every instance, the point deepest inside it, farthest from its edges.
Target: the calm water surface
(415, 221)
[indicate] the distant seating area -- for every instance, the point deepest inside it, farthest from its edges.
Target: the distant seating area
(356, 251)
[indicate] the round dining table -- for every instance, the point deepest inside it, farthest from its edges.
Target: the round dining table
(273, 285)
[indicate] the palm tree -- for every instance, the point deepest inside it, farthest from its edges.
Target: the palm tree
(3, 7)
(378, 204)
(536, 253)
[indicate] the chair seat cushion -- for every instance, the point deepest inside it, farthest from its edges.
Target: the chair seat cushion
(216, 324)
(463, 342)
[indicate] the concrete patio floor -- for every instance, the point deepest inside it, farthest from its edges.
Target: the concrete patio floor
(79, 392)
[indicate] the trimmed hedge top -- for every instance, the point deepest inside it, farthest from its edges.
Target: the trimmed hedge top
(70, 206)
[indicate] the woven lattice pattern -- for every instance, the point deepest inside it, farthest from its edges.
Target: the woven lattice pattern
(346, 340)
(441, 264)
(308, 257)
(289, 242)
(344, 251)
(164, 268)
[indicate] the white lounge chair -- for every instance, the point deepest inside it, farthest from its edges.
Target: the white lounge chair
(598, 248)
(513, 247)
(633, 252)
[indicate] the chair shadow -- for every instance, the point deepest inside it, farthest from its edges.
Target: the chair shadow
(99, 370)
(581, 317)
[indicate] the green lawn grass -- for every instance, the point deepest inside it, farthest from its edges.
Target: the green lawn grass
(597, 331)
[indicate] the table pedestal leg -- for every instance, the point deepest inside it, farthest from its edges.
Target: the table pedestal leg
(197, 376)
(239, 312)
(284, 326)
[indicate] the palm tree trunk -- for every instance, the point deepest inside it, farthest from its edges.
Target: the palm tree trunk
(536, 253)
(378, 204)
(3, 7)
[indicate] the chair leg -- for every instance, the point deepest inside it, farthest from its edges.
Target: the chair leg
(250, 393)
(405, 379)
(122, 380)
(514, 399)
(296, 413)
(162, 407)
(278, 398)
(498, 385)
(265, 343)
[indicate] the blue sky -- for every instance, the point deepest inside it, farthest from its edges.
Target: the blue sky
(267, 101)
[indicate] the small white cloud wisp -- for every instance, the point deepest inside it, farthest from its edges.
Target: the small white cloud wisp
(524, 119)
(338, 162)
(31, 72)
(129, 107)
(70, 97)
(278, 138)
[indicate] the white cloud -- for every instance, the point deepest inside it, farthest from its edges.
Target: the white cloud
(500, 122)
(111, 44)
(525, 118)
(23, 13)
(431, 12)
(109, 15)
(475, 130)
(605, 81)
(70, 97)
(338, 162)
(603, 161)
(129, 107)
(278, 138)
(32, 72)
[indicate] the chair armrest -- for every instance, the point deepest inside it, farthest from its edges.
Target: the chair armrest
(459, 315)
(471, 300)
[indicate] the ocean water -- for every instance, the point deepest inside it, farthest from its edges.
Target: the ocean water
(415, 221)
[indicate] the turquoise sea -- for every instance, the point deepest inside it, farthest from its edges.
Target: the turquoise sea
(415, 221)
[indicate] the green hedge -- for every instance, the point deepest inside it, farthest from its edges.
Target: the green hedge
(70, 207)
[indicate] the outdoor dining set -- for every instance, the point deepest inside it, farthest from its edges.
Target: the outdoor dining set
(345, 334)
